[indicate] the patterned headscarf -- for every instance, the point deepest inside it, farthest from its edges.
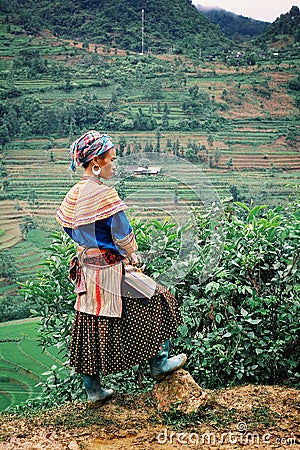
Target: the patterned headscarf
(87, 146)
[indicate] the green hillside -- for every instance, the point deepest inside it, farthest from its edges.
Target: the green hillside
(22, 362)
(284, 32)
(168, 24)
(234, 26)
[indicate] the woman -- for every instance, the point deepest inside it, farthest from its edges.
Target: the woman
(122, 318)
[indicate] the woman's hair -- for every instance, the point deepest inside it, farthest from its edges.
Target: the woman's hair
(86, 164)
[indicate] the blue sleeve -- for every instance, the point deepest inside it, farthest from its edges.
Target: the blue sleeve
(120, 226)
(122, 234)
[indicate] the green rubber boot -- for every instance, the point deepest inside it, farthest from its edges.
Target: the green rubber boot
(161, 365)
(96, 395)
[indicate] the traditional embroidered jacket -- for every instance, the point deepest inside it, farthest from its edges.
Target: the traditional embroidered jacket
(93, 216)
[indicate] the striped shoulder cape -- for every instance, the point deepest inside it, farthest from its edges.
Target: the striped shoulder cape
(87, 201)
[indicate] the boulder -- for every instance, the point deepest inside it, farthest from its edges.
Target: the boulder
(179, 391)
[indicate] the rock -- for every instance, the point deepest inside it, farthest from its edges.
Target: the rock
(179, 391)
(73, 445)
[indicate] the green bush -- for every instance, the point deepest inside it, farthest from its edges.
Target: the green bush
(294, 84)
(52, 293)
(13, 307)
(242, 325)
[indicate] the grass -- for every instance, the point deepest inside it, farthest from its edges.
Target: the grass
(22, 362)
(221, 418)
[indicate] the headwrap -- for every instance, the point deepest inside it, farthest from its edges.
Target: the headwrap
(87, 146)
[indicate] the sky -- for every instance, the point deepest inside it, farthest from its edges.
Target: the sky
(266, 10)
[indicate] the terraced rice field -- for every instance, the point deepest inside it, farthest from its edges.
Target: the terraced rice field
(254, 157)
(259, 159)
(10, 221)
(22, 362)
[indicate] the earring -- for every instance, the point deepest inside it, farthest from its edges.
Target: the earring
(96, 170)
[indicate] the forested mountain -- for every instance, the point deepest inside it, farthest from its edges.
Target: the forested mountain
(286, 25)
(175, 24)
(233, 25)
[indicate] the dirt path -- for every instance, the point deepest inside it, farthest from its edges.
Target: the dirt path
(260, 417)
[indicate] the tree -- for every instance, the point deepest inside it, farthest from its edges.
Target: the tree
(166, 109)
(292, 136)
(68, 86)
(229, 163)
(169, 143)
(33, 200)
(194, 92)
(210, 140)
(3, 176)
(114, 103)
(120, 187)
(8, 267)
(165, 121)
(158, 137)
(153, 89)
(122, 145)
(148, 147)
(27, 225)
(52, 158)
(176, 147)
(176, 196)
(4, 135)
(235, 193)
(217, 155)
(191, 154)
(143, 121)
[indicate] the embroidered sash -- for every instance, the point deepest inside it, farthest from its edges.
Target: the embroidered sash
(100, 282)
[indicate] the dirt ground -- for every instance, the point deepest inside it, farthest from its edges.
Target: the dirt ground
(260, 417)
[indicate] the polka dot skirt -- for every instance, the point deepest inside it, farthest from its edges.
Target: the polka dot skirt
(112, 345)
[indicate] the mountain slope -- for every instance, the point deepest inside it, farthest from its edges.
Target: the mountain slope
(233, 25)
(168, 23)
(286, 25)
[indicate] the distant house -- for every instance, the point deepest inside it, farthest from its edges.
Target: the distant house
(140, 171)
(151, 170)
(129, 169)
(154, 170)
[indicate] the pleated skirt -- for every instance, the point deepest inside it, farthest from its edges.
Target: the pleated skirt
(112, 344)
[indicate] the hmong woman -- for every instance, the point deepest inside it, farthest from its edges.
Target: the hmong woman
(122, 318)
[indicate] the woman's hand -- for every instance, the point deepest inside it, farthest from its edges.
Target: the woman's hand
(133, 258)
(134, 261)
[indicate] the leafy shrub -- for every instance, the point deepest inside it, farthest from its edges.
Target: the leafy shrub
(13, 307)
(52, 292)
(243, 324)
(294, 84)
(240, 326)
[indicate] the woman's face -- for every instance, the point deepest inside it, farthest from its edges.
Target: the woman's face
(108, 164)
